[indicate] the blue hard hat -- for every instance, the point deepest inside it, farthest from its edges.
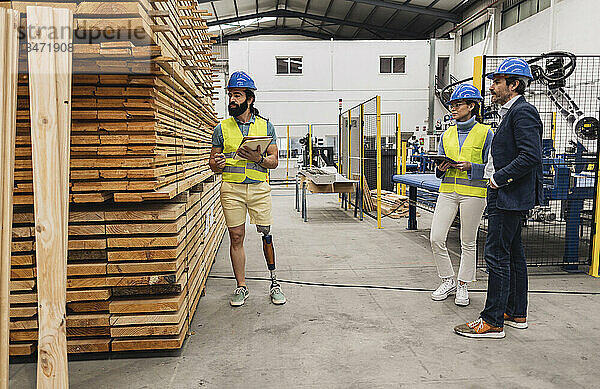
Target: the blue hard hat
(241, 80)
(513, 67)
(464, 92)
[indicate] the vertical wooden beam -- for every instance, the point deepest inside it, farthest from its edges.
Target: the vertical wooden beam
(50, 75)
(9, 22)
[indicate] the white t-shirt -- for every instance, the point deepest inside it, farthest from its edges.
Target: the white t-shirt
(489, 170)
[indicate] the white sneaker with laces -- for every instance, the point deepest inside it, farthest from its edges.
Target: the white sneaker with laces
(462, 295)
(444, 290)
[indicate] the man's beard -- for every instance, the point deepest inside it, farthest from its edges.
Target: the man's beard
(500, 98)
(237, 110)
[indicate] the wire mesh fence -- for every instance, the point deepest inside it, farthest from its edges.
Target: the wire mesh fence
(566, 92)
(350, 151)
(369, 154)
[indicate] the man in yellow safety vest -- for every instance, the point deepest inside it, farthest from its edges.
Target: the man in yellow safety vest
(245, 188)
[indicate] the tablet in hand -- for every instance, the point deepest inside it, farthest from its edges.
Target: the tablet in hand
(439, 159)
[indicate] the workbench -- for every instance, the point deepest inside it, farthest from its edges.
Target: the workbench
(340, 185)
(429, 182)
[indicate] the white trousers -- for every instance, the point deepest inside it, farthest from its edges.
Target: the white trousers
(471, 211)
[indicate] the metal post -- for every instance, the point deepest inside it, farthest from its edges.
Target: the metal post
(287, 163)
(361, 143)
(478, 72)
(404, 166)
(596, 238)
(554, 129)
(310, 145)
(431, 97)
(398, 152)
(304, 210)
(297, 195)
(378, 103)
(349, 151)
(412, 208)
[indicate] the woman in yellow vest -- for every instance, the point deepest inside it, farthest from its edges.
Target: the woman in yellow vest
(462, 189)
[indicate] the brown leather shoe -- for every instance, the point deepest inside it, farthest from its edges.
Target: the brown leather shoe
(479, 329)
(515, 322)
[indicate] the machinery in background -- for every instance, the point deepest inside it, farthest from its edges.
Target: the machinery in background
(554, 76)
(321, 155)
(565, 86)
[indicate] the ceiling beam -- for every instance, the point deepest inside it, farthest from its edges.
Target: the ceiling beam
(282, 13)
(446, 15)
(366, 21)
(459, 9)
(236, 8)
(346, 17)
(276, 31)
(305, 11)
(418, 16)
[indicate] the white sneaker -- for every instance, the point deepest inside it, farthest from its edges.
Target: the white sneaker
(462, 295)
(444, 290)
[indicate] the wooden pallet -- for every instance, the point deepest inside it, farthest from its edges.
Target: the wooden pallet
(393, 205)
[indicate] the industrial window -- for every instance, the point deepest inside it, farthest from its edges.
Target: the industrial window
(394, 64)
(516, 10)
(474, 36)
(289, 65)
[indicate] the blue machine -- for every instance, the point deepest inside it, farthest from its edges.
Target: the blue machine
(572, 187)
(428, 182)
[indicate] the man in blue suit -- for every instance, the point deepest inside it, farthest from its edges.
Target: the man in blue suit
(514, 170)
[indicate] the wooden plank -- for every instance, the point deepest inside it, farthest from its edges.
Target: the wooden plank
(21, 349)
(47, 75)
(78, 346)
(9, 21)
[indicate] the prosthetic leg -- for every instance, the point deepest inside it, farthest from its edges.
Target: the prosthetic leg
(277, 296)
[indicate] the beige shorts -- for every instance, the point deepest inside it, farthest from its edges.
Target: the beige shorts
(239, 199)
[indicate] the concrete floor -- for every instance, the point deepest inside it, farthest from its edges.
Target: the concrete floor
(357, 337)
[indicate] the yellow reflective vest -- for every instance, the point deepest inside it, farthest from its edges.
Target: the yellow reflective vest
(472, 149)
(237, 171)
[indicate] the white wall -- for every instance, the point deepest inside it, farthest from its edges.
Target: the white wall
(576, 28)
(333, 70)
(570, 25)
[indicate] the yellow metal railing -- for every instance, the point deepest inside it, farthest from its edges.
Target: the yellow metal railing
(378, 162)
(596, 237)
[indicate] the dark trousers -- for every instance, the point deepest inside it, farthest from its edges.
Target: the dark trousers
(505, 259)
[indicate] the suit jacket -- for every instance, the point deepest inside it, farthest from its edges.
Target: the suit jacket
(517, 155)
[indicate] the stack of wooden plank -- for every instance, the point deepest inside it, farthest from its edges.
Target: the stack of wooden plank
(145, 221)
(132, 269)
(393, 205)
(142, 109)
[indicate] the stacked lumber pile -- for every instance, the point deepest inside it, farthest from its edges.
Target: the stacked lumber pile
(392, 204)
(132, 270)
(144, 221)
(142, 111)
